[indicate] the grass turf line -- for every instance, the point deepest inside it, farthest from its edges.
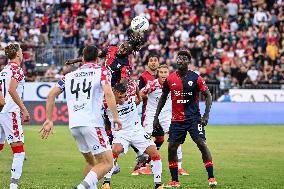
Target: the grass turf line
(244, 157)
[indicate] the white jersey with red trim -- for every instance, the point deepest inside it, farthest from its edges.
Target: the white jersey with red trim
(154, 91)
(84, 94)
(127, 112)
(15, 72)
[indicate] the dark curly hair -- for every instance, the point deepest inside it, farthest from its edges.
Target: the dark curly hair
(11, 50)
(136, 41)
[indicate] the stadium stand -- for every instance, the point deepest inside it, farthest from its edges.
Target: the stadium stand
(235, 44)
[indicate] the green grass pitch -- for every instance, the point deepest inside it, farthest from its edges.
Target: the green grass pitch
(244, 157)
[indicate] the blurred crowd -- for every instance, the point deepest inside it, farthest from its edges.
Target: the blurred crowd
(233, 42)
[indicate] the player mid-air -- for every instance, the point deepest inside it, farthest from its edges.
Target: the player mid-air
(85, 89)
(153, 91)
(12, 82)
(185, 86)
(132, 133)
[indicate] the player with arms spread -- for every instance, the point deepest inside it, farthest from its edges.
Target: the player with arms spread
(85, 89)
(153, 92)
(12, 82)
(132, 133)
(185, 86)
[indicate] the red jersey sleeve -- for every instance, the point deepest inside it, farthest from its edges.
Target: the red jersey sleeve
(125, 72)
(106, 76)
(201, 84)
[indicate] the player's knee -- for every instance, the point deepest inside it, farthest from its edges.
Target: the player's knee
(117, 148)
(200, 143)
(152, 151)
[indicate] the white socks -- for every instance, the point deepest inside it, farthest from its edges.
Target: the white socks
(157, 170)
(17, 165)
(179, 155)
(90, 181)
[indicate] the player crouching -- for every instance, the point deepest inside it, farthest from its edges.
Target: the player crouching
(132, 133)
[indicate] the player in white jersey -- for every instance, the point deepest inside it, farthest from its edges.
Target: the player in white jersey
(153, 91)
(85, 89)
(12, 82)
(132, 133)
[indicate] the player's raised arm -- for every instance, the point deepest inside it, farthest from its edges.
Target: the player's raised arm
(110, 99)
(208, 100)
(50, 103)
(109, 96)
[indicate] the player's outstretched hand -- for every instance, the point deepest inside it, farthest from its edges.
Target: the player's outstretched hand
(117, 123)
(46, 129)
(204, 120)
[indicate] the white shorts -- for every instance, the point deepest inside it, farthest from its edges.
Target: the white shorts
(164, 120)
(11, 128)
(138, 138)
(91, 139)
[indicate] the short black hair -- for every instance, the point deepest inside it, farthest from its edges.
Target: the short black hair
(90, 53)
(152, 55)
(120, 87)
(184, 53)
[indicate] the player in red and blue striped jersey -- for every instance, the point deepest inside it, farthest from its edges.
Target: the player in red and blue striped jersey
(185, 86)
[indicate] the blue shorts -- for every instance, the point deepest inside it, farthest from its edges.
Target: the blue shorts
(178, 130)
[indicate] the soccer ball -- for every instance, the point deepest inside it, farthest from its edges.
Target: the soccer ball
(139, 24)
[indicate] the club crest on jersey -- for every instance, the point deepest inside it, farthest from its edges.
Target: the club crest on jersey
(190, 83)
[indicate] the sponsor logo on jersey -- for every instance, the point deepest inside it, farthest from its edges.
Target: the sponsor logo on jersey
(79, 107)
(182, 101)
(190, 83)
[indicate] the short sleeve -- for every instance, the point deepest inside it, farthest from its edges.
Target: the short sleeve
(106, 76)
(17, 73)
(201, 84)
(61, 83)
(166, 88)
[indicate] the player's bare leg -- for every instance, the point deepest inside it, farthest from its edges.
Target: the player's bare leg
(173, 164)
(104, 164)
(17, 164)
(90, 162)
(156, 165)
(207, 160)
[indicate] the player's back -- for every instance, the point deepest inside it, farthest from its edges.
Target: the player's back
(11, 71)
(84, 95)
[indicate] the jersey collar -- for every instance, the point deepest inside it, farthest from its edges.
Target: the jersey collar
(12, 63)
(89, 64)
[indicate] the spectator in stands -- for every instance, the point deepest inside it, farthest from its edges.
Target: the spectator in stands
(223, 36)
